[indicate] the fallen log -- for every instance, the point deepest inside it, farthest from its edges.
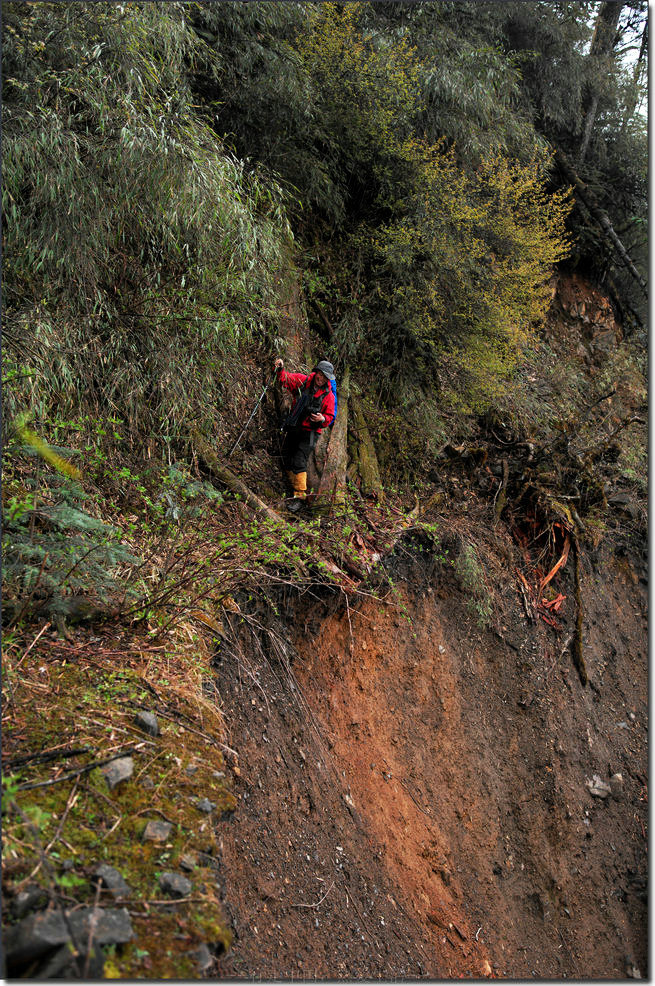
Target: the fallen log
(601, 217)
(232, 482)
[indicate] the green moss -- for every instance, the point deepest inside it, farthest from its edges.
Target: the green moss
(96, 710)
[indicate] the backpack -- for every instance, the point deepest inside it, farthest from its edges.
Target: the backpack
(333, 388)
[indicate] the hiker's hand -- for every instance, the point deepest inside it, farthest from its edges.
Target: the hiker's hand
(278, 365)
(317, 418)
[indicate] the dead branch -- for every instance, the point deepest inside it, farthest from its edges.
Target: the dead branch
(600, 217)
(76, 773)
(232, 482)
(501, 495)
(318, 902)
(46, 757)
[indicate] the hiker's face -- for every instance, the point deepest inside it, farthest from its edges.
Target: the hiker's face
(320, 379)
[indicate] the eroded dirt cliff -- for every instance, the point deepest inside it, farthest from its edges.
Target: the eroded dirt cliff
(413, 796)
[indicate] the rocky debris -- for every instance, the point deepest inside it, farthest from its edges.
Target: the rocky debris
(112, 880)
(62, 964)
(175, 885)
(37, 935)
(202, 957)
(204, 804)
(30, 899)
(598, 788)
(117, 771)
(631, 969)
(626, 504)
(156, 831)
(188, 862)
(147, 722)
(616, 786)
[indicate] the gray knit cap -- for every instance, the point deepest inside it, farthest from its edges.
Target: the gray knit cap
(326, 368)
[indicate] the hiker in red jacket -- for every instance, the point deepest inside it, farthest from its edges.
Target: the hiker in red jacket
(312, 411)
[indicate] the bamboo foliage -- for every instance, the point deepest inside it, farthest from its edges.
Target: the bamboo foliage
(134, 242)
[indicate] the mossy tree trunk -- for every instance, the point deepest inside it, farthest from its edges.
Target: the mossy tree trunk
(367, 460)
(332, 485)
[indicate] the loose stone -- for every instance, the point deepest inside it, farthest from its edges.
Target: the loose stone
(147, 722)
(37, 934)
(156, 831)
(616, 786)
(27, 900)
(118, 771)
(598, 788)
(205, 805)
(113, 880)
(175, 885)
(203, 957)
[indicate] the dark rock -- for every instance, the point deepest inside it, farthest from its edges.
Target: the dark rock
(202, 957)
(38, 934)
(118, 771)
(31, 899)
(113, 880)
(175, 885)
(205, 805)
(147, 722)
(156, 831)
(62, 964)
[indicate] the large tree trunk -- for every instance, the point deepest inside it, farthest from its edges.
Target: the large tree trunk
(332, 486)
(601, 53)
(229, 480)
(317, 460)
(637, 90)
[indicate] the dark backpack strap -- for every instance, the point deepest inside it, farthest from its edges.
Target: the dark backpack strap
(295, 416)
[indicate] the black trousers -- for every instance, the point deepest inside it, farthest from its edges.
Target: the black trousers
(296, 447)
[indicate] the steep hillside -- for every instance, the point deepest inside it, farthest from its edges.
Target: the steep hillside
(392, 743)
(395, 727)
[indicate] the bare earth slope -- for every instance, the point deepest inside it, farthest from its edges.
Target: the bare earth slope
(413, 798)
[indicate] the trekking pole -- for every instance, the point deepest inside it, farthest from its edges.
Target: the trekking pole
(254, 410)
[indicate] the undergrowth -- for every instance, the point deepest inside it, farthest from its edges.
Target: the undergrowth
(76, 705)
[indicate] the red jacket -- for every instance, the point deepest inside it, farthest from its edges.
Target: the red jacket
(296, 382)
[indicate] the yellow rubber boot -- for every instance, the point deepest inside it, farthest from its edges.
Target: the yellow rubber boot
(299, 483)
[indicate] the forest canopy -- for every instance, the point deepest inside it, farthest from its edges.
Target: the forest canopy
(166, 166)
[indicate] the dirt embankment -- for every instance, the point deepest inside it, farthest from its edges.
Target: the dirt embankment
(413, 796)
